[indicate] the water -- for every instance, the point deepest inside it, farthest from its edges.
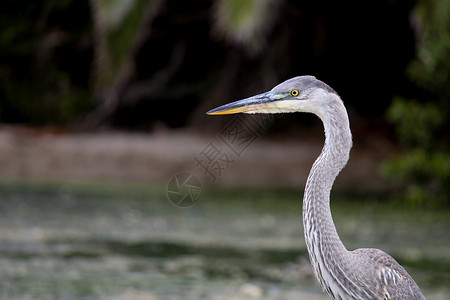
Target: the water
(101, 241)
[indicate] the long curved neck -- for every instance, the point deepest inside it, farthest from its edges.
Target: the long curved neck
(325, 248)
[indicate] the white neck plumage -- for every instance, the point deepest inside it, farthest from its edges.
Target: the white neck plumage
(325, 248)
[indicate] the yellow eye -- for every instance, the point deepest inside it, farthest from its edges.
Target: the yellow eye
(294, 93)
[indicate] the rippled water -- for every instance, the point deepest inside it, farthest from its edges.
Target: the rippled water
(129, 242)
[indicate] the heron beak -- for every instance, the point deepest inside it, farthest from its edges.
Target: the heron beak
(265, 102)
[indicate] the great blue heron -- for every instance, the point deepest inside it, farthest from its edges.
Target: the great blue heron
(359, 274)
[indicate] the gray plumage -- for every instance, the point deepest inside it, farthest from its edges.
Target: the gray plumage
(362, 273)
(359, 274)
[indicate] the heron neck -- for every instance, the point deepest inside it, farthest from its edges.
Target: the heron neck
(325, 248)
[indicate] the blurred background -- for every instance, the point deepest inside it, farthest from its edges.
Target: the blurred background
(102, 105)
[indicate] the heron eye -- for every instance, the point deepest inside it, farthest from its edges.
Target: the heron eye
(294, 93)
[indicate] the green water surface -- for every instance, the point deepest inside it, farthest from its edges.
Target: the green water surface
(124, 241)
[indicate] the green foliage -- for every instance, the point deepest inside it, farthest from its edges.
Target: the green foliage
(424, 176)
(422, 127)
(241, 14)
(34, 87)
(118, 25)
(121, 37)
(45, 56)
(44, 101)
(431, 67)
(416, 123)
(244, 22)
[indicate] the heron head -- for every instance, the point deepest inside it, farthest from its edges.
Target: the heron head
(298, 94)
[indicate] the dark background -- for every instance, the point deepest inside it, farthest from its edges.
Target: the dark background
(156, 66)
(359, 48)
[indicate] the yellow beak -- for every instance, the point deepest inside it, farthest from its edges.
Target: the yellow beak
(264, 102)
